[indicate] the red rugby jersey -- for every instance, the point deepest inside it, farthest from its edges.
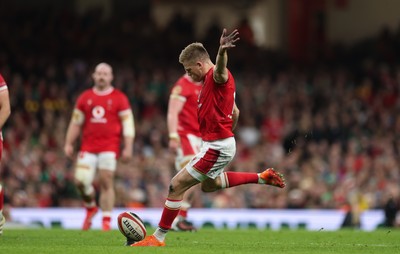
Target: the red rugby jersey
(102, 127)
(188, 91)
(216, 102)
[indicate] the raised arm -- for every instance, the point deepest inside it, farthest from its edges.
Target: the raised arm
(226, 42)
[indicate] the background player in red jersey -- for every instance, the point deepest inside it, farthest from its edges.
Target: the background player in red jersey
(217, 115)
(5, 111)
(103, 115)
(184, 136)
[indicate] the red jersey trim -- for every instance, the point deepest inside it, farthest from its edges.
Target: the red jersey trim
(207, 161)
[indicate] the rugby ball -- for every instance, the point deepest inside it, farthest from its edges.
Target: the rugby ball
(131, 226)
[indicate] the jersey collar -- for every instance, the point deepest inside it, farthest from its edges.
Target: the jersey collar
(104, 92)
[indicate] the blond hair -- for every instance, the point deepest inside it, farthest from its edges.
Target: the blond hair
(193, 53)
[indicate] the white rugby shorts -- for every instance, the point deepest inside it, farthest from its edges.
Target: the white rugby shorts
(87, 163)
(213, 157)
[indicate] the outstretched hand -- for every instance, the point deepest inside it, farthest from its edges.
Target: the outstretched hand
(228, 41)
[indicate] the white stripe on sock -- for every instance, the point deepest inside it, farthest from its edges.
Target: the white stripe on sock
(173, 204)
(223, 181)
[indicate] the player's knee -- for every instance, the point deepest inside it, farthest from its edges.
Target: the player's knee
(78, 183)
(171, 189)
(175, 190)
(175, 185)
(106, 185)
(178, 186)
(83, 182)
(207, 189)
(106, 179)
(80, 179)
(86, 189)
(211, 185)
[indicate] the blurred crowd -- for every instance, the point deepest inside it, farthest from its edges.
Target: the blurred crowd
(330, 124)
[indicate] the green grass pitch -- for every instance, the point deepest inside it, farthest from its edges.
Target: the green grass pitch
(59, 241)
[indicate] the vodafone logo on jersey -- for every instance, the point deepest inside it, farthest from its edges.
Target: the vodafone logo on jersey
(98, 113)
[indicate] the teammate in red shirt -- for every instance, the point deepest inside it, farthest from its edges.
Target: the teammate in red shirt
(5, 111)
(104, 116)
(218, 115)
(184, 136)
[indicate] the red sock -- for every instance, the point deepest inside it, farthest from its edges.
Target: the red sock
(170, 211)
(1, 198)
(106, 219)
(91, 209)
(106, 225)
(238, 178)
(183, 213)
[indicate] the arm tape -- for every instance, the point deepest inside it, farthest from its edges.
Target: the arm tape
(128, 123)
(77, 117)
